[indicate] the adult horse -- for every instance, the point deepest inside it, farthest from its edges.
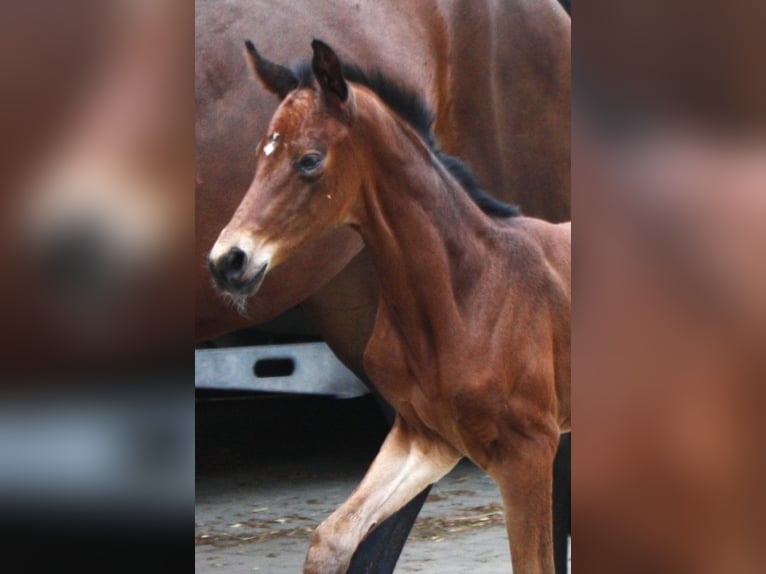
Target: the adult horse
(103, 214)
(497, 77)
(471, 340)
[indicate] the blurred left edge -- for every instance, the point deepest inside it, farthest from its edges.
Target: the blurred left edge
(96, 303)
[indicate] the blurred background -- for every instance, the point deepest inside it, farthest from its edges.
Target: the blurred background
(669, 188)
(96, 200)
(97, 175)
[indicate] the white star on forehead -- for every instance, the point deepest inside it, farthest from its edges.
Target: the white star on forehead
(271, 145)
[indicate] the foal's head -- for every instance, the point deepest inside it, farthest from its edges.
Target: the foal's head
(306, 178)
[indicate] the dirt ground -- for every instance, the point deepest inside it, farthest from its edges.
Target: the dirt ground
(269, 471)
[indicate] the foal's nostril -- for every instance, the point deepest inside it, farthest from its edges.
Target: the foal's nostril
(233, 263)
(229, 268)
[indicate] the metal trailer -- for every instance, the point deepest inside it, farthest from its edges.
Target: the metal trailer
(283, 356)
(305, 368)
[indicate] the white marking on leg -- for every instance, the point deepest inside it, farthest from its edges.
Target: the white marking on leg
(405, 465)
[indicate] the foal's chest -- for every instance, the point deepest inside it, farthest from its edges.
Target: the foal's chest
(416, 386)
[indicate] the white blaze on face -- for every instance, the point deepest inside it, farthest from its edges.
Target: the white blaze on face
(269, 148)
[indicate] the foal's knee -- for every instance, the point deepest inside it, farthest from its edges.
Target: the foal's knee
(330, 551)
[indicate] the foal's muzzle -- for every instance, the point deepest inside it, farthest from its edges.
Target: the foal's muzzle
(231, 274)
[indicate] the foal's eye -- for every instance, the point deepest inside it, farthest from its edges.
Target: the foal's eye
(310, 164)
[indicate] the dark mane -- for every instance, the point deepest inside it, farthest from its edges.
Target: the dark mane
(413, 110)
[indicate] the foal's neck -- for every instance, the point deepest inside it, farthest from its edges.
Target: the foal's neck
(427, 237)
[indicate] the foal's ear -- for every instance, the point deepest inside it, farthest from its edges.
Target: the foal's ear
(326, 66)
(275, 78)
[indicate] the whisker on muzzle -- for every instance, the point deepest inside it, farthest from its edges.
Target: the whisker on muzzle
(236, 300)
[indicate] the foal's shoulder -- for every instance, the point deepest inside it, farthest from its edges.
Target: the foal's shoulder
(543, 244)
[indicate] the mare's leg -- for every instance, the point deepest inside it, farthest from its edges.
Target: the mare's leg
(526, 484)
(562, 503)
(379, 552)
(407, 462)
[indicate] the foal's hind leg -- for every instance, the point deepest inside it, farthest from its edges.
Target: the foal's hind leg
(525, 481)
(407, 462)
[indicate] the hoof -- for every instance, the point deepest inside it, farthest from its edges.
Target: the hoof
(328, 553)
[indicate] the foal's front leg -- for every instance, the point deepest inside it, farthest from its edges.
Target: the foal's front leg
(407, 462)
(525, 480)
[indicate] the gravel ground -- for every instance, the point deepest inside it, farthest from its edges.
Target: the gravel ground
(269, 471)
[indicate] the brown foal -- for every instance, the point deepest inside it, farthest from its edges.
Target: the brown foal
(472, 336)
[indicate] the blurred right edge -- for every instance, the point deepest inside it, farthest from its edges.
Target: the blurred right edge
(669, 188)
